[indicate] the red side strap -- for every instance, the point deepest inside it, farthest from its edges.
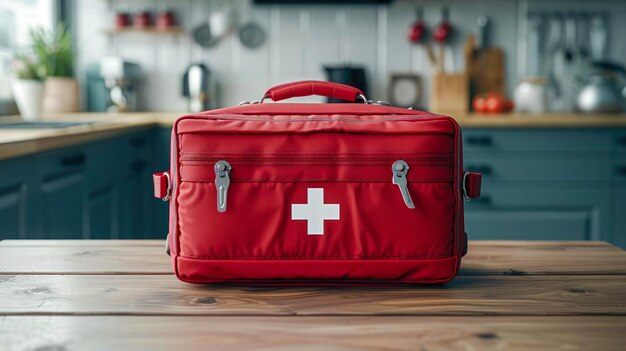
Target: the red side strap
(472, 184)
(161, 184)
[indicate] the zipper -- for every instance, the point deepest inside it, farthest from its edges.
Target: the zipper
(222, 182)
(337, 119)
(399, 168)
(314, 158)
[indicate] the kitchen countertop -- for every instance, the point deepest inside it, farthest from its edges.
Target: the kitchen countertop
(19, 142)
(509, 295)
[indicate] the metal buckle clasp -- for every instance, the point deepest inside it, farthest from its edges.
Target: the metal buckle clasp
(463, 187)
(168, 192)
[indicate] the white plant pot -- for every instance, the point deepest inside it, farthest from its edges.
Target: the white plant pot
(28, 95)
(60, 95)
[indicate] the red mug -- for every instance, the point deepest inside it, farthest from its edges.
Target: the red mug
(165, 20)
(122, 20)
(142, 20)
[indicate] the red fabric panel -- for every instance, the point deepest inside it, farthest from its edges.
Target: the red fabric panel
(374, 221)
(242, 271)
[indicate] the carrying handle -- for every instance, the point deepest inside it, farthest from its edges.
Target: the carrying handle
(313, 87)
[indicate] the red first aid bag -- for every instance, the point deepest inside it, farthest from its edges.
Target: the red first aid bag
(352, 193)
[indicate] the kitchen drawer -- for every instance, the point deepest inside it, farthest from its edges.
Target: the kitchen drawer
(104, 163)
(540, 212)
(528, 169)
(619, 142)
(138, 144)
(17, 186)
(536, 140)
(61, 198)
(62, 161)
(162, 148)
(618, 171)
(619, 216)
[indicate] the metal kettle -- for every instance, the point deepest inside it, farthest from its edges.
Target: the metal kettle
(199, 88)
(603, 92)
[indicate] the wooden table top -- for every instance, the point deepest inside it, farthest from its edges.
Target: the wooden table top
(122, 295)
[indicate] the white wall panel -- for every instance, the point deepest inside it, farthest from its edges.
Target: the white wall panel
(301, 39)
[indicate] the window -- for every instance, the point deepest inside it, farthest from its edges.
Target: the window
(16, 19)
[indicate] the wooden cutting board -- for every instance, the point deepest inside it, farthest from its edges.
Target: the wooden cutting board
(487, 71)
(449, 92)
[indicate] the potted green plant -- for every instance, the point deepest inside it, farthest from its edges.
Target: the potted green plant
(28, 85)
(54, 51)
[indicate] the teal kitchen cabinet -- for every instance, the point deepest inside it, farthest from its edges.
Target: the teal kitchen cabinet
(619, 216)
(16, 204)
(539, 212)
(118, 204)
(618, 182)
(97, 190)
(60, 199)
(104, 164)
(162, 159)
(136, 201)
(540, 184)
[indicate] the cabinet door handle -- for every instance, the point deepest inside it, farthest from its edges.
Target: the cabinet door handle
(485, 170)
(73, 160)
(622, 141)
(479, 141)
(621, 171)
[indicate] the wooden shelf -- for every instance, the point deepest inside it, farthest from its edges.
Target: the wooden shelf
(149, 31)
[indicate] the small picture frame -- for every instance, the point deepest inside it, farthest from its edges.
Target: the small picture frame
(405, 90)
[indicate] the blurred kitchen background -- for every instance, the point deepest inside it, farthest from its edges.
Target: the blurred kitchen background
(537, 86)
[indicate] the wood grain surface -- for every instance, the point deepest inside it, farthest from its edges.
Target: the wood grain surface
(148, 257)
(165, 295)
(511, 295)
(312, 333)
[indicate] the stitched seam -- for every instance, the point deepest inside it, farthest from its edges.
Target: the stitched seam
(317, 153)
(321, 161)
(210, 180)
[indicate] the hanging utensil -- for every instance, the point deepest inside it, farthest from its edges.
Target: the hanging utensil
(598, 33)
(417, 35)
(534, 46)
(555, 64)
(442, 34)
(488, 71)
(417, 31)
(582, 36)
(251, 35)
(571, 67)
(203, 36)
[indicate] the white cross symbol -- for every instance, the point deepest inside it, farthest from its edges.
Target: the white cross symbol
(315, 211)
